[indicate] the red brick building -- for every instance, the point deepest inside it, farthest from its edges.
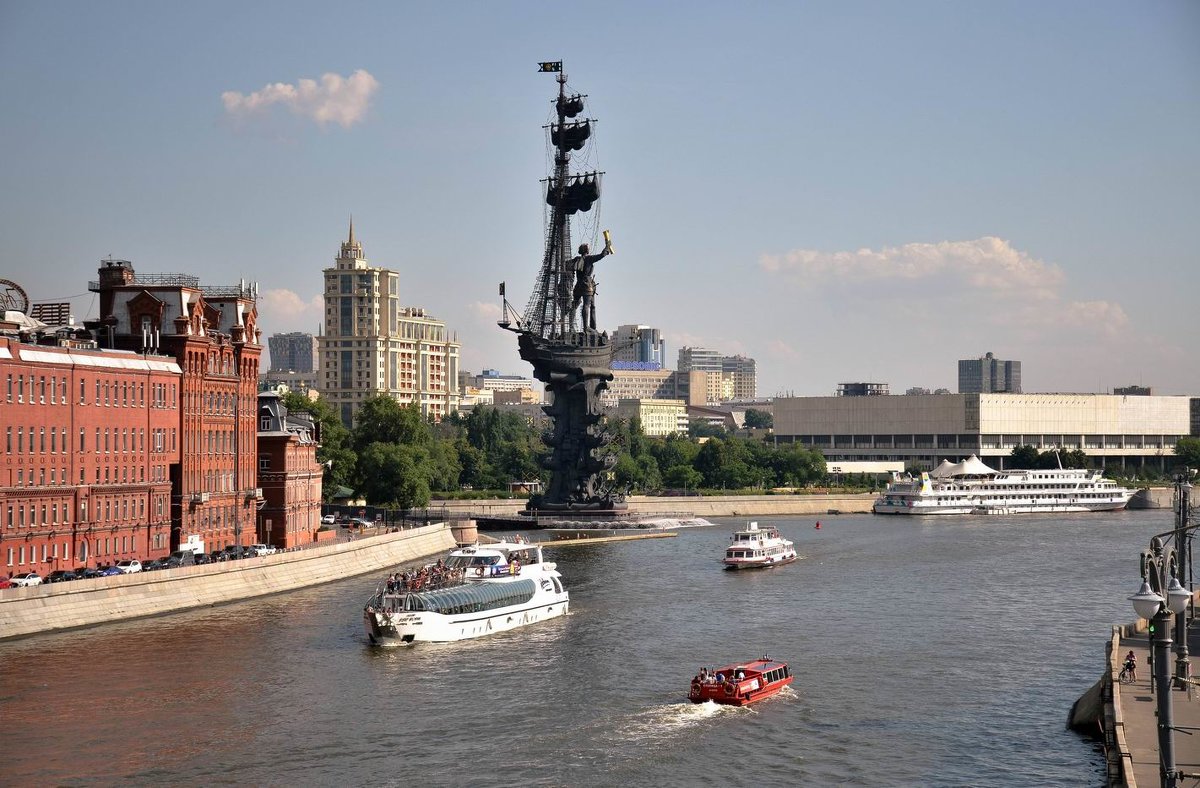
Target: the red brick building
(212, 334)
(89, 438)
(288, 473)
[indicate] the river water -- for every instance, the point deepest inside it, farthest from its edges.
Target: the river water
(927, 651)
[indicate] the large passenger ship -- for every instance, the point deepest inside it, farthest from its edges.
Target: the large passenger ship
(971, 487)
(477, 591)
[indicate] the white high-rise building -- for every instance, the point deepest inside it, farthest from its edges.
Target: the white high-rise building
(639, 347)
(372, 345)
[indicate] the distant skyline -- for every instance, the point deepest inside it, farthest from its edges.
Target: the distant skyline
(858, 191)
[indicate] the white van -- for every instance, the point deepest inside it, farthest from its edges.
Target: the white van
(261, 549)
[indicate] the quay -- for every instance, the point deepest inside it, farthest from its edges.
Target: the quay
(1124, 717)
(84, 603)
(580, 538)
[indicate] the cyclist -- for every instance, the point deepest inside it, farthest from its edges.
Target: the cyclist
(1130, 667)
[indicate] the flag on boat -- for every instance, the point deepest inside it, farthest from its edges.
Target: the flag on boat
(553, 66)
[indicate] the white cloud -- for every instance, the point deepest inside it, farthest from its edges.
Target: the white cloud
(284, 310)
(334, 99)
(983, 264)
(484, 311)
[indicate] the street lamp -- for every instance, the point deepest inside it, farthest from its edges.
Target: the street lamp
(1159, 575)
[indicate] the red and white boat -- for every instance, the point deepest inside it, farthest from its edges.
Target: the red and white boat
(755, 548)
(740, 684)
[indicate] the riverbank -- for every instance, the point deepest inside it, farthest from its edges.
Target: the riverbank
(700, 506)
(84, 603)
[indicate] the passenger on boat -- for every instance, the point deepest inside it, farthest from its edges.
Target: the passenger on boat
(741, 674)
(720, 678)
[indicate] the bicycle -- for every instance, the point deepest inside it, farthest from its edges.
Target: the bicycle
(1127, 675)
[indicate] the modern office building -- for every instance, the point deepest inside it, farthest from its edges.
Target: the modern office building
(700, 359)
(659, 417)
(492, 380)
(288, 474)
(1134, 391)
(373, 346)
(728, 377)
(638, 345)
(1128, 432)
(989, 375)
(293, 352)
(863, 390)
(743, 379)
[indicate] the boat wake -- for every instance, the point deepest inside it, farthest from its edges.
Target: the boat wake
(664, 722)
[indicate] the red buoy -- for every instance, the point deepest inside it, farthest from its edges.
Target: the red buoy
(818, 524)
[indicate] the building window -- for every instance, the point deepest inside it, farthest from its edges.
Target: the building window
(264, 462)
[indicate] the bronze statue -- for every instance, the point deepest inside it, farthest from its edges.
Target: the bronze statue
(585, 285)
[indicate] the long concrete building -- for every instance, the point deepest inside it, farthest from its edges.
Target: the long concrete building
(1128, 432)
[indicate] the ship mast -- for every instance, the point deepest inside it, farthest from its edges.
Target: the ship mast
(548, 314)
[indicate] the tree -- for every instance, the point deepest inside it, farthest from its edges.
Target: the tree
(394, 475)
(335, 451)
(1025, 457)
(1187, 450)
(381, 419)
(758, 419)
(683, 477)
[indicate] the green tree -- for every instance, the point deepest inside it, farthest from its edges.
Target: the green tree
(1025, 457)
(383, 420)
(394, 475)
(756, 419)
(683, 477)
(335, 450)
(1187, 450)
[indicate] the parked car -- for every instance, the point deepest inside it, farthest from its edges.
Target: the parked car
(86, 572)
(61, 576)
(108, 571)
(154, 564)
(202, 558)
(328, 519)
(5, 582)
(262, 549)
(233, 552)
(129, 566)
(26, 579)
(179, 558)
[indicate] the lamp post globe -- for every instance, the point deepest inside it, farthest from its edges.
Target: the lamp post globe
(1146, 603)
(1177, 596)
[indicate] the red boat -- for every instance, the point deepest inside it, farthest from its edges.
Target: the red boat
(740, 684)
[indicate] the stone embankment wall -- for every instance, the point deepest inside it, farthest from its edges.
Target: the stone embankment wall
(701, 506)
(47, 608)
(1152, 498)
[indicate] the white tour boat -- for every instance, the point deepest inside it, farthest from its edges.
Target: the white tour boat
(756, 547)
(971, 487)
(476, 591)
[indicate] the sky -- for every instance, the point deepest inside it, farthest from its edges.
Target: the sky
(844, 191)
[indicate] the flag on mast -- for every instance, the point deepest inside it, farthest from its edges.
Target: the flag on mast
(553, 66)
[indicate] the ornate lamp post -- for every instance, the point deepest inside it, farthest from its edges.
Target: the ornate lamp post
(1161, 596)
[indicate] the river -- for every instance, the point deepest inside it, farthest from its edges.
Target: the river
(927, 651)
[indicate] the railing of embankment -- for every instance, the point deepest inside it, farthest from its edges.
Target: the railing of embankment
(1116, 748)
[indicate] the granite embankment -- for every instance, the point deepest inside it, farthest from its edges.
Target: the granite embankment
(47, 608)
(739, 505)
(700, 506)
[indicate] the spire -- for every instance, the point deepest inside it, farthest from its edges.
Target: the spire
(351, 249)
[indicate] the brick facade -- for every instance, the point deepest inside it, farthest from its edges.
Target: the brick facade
(89, 438)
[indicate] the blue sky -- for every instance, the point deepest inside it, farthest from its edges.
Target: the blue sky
(845, 191)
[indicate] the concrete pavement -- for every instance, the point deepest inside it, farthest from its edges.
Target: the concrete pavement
(1139, 710)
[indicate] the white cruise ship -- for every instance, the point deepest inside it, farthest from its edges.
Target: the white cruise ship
(476, 591)
(971, 487)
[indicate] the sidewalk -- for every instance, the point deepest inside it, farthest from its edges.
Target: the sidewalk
(1139, 708)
